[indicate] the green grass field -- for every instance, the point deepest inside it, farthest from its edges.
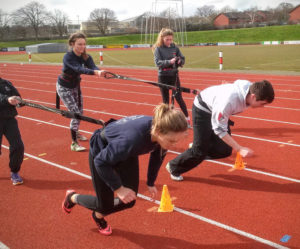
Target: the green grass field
(243, 57)
(247, 35)
(248, 57)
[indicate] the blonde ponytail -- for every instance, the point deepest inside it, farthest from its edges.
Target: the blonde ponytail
(167, 119)
(160, 38)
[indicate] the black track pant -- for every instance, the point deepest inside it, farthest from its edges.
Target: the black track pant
(171, 80)
(9, 128)
(104, 202)
(205, 144)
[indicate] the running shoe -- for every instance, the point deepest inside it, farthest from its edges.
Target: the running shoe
(67, 205)
(81, 137)
(16, 179)
(76, 147)
(173, 177)
(102, 225)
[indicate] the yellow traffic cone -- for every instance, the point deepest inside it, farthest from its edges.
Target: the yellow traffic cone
(239, 164)
(165, 202)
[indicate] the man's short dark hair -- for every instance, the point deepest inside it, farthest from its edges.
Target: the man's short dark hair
(263, 90)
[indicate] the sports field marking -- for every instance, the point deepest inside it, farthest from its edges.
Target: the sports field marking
(188, 75)
(268, 120)
(143, 93)
(175, 152)
(248, 137)
(147, 104)
(266, 140)
(119, 115)
(2, 246)
(122, 83)
(179, 210)
(287, 98)
(283, 108)
(247, 169)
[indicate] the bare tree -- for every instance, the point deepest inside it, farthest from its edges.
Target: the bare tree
(252, 13)
(33, 14)
(206, 13)
(227, 9)
(59, 20)
(165, 18)
(102, 17)
(4, 23)
(282, 11)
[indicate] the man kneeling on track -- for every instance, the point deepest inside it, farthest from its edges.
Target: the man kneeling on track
(211, 111)
(114, 163)
(9, 98)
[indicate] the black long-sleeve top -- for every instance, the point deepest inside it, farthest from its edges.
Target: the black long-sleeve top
(7, 90)
(127, 137)
(73, 67)
(162, 57)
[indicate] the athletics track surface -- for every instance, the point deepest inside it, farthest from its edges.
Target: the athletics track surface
(215, 208)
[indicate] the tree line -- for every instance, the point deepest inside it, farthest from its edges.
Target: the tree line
(34, 21)
(205, 15)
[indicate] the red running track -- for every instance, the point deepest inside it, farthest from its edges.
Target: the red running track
(215, 208)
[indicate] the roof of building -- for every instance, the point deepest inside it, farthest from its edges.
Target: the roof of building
(234, 15)
(295, 8)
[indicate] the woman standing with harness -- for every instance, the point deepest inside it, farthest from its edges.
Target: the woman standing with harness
(168, 58)
(114, 163)
(75, 63)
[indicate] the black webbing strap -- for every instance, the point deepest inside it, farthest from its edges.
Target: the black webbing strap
(57, 101)
(175, 92)
(67, 114)
(109, 75)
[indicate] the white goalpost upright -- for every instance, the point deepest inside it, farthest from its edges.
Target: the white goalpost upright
(173, 18)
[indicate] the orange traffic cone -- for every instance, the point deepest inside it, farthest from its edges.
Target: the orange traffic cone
(165, 202)
(239, 164)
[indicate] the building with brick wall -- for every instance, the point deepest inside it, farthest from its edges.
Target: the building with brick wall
(231, 19)
(295, 15)
(235, 19)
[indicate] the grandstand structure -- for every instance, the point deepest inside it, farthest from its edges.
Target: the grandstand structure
(47, 48)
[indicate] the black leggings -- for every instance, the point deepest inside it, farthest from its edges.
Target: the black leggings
(104, 202)
(9, 128)
(172, 81)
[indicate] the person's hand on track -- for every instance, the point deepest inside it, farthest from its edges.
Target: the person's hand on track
(126, 195)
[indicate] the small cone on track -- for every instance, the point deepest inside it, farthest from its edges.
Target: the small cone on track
(165, 202)
(239, 164)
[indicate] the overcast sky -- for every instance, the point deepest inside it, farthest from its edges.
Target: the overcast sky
(80, 9)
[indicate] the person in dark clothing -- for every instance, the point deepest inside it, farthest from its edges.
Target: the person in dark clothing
(9, 98)
(75, 63)
(168, 58)
(114, 164)
(211, 110)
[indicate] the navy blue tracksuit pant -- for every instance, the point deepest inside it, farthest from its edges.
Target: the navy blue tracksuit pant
(9, 128)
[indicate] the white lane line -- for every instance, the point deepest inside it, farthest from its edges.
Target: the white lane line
(134, 85)
(191, 77)
(268, 120)
(283, 108)
(266, 140)
(138, 103)
(237, 135)
(3, 246)
(149, 104)
(182, 211)
(247, 169)
(177, 153)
